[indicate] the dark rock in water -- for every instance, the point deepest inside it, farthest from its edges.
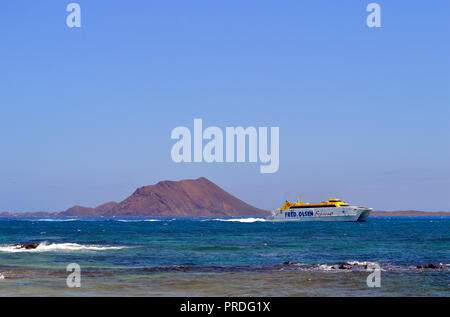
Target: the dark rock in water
(293, 263)
(28, 246)
(345, 267)
(430, 266)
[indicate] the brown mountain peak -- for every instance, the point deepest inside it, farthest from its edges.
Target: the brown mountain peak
(190, 197)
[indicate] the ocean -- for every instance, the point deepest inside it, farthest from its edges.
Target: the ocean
(224, 257)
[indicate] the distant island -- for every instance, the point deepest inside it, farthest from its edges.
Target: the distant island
(409, 213)
(186, 198)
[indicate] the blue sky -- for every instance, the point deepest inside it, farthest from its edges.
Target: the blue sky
(86, 114)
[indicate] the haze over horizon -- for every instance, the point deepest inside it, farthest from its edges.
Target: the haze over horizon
(363, 112)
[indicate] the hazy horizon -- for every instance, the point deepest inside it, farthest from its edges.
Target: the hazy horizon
(234, 194)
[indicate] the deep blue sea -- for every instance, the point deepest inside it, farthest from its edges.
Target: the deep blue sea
(229, 257)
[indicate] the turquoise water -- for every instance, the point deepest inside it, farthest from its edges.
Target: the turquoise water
(203, 256)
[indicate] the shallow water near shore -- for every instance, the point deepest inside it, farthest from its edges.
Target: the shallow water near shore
(224, 257)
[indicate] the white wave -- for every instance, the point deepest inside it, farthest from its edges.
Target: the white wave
(244, 220)
(366, 265)
(2, 277)
(347, 267)
(357, 263)
(141, 220)
(324, 267)
(44, 247)
(55, 220)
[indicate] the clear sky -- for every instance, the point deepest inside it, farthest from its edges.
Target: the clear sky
(364, 113)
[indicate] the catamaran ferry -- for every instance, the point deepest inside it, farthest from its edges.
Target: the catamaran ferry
(332, 210)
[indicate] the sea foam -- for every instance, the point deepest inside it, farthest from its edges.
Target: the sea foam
(140, 220)
(243, 220)
(52, 247)
(54, 220)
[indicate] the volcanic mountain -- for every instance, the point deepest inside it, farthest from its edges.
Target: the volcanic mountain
(186, 198)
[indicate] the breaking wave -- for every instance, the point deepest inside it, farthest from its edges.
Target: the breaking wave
(52, 247)
(360, 266)
(54, 220)
(349, 266)
(141, 220)
(243, 220)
